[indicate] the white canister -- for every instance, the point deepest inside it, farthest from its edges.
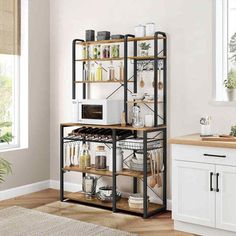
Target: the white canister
(139, 31)
(150, 29)
(206, 130)
(119, 160)
(149, 121)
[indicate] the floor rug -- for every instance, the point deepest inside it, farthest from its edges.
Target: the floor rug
(18, 221)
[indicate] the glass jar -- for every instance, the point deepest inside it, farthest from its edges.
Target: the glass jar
(85, 158)
(95, 52)
(100, 158)
(84, 52)
(106, 51)
(115, 51)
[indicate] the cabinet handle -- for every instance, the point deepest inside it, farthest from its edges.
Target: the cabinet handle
(212, 155)
(211, 188)
(217, 182)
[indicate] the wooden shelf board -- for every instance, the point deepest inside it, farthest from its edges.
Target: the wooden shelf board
(122, 204)
(144, 38)
(104, 82)
(144, 102)
(118, 126)
(110, 41)
(101, 42)
(102, 59)
(132, 173)
(92, 170)
(146, 58)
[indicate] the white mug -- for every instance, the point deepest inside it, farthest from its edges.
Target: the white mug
(149, 120)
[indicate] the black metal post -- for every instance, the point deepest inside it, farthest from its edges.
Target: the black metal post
(114, 170)
(135, 184)
(135, 68)
(165, 78)
(125, 77)
(74, 42)
(155, 79)
(145, 199)
(61, 163)
(165, 168)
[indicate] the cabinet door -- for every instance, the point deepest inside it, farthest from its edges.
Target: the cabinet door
(193, 198)
(226, 198)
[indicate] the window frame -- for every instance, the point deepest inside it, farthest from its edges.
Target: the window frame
(20, 89)
(220, 50)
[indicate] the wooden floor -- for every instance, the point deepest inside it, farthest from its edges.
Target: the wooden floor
(160, 225)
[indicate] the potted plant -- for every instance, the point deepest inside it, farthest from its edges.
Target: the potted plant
(5, 169)
(230, 85)
(144, 47)
(233, 131)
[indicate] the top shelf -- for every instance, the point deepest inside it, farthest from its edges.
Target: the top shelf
(110, 41)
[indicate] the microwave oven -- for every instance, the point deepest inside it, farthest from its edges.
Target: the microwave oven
(100, 111)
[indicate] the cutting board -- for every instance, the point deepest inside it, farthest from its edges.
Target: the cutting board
(223, 138)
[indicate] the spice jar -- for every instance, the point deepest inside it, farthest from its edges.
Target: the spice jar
(100, 158)
(106, 51)
(115, 51)
(85, 158)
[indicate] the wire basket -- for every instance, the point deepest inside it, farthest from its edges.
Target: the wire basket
(137, 144)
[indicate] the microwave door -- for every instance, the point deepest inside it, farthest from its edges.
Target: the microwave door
(92, 112)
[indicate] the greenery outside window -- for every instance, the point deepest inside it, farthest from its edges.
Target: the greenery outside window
(10, 55)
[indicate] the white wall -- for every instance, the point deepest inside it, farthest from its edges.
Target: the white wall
(32, 165)
(189, 26)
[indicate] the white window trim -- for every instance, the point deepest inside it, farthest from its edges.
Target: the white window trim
(220, 47)
(21, 91)
(220, 53)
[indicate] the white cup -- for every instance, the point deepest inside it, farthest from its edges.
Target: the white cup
(150, 29)
(149, 120)
(139, 31)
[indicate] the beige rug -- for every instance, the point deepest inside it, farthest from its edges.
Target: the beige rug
(89, 214)
(18, 221)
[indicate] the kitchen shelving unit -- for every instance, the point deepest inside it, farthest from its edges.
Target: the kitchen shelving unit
(159, 130)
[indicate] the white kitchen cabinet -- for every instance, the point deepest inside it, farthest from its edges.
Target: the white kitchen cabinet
(192, 200)
(226, 198)
(204, 189)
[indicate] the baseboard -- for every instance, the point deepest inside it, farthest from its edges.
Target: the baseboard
(70, 187)
(54, 184)
(25, 189)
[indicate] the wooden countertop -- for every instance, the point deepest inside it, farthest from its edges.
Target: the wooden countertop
(195, 139)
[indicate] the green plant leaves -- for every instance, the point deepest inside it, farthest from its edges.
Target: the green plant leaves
(5, 169)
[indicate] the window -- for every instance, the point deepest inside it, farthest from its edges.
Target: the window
(225, 45)
(10, 51)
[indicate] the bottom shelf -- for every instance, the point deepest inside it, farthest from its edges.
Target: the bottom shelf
(122, 204)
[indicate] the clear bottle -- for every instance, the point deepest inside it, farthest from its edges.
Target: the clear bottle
(99, 73)
(111, 72)
(121, 72)
(92, 73)
(86, 72)
(85, 158)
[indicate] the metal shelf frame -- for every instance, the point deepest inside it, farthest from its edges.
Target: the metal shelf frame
(159, 128)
